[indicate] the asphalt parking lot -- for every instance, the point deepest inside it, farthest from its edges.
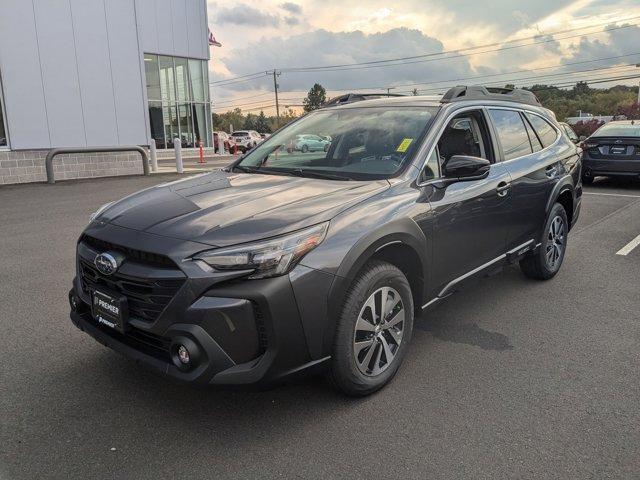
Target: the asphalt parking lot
(511, 378)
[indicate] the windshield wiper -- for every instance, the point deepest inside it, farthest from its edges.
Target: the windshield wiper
(264, 171)
(299, 172)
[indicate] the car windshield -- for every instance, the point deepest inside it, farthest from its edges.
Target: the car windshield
(239, 134)
(618, 130)
(362, 143)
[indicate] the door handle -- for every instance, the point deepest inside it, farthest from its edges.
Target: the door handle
(503, 188)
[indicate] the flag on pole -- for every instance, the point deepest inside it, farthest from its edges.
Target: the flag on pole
(213, 41)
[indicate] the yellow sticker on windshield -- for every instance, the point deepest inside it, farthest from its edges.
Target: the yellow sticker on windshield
(404, 145)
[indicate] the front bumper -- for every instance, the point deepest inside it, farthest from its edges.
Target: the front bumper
(247, 331)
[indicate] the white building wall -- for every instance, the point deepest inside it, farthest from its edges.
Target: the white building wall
(72, 70)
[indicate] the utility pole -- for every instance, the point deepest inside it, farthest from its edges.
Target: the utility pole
(276, 74)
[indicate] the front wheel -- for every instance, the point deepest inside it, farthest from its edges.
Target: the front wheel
(547, 260)
(305, 148)
(373, 331)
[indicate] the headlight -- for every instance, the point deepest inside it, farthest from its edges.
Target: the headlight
(267, 258)
(98, 212)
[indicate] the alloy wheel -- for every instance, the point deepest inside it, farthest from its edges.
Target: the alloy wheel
(378, 331)
(555, 242)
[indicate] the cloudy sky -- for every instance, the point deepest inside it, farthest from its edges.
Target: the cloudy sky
(493, 42)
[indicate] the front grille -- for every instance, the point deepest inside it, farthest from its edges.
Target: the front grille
(152, 259)
(147, 296)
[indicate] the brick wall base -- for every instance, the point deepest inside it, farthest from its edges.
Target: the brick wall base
(26, 166)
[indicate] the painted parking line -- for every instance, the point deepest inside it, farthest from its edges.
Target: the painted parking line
(611, 194)
(629, 246)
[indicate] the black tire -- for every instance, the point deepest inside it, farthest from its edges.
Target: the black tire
(305, 148)
(587, 180)
(538, 265)
(345, 373)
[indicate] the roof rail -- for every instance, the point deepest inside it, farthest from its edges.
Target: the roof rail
(478, 92)
(357, 97)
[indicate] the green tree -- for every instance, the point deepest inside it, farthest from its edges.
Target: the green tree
(315, 98)
(224, 121)
(262, 125)
(250, 122)
(285, 117)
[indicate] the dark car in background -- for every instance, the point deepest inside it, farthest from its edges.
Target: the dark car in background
(289, 262)
(613, 151)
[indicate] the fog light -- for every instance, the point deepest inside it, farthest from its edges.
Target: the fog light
(183, 354)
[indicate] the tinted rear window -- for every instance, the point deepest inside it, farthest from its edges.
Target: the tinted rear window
(535, 142)
(511, 132)
(546, 133)
(618, 130)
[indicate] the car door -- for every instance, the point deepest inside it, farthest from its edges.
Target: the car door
(470, 218)
(533, 166)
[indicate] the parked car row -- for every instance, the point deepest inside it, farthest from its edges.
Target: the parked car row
(239, 141)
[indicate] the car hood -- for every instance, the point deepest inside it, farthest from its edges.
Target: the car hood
(222, 208)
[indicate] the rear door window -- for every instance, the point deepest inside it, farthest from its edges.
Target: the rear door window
(546, 133)
(535, 142)
(512, 133)
(572, 135)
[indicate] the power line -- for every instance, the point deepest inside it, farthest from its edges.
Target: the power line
(535, 77)
(299, 69)
(243, 98)
(504, 80)
(425, 60)
(231, 107)
(255, 75)
(560, 84)
(462, 79)
(597, 81)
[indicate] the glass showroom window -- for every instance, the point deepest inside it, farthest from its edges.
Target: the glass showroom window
(178, 97)
(3, 130)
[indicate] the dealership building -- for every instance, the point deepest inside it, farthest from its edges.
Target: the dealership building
(99, 73)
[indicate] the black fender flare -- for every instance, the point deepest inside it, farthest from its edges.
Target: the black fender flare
(563, 185)
(401, 231)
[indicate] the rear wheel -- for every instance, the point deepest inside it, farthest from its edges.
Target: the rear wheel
(373, 331)
(547, 260)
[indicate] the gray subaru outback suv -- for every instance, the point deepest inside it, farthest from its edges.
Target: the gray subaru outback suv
(288, 261)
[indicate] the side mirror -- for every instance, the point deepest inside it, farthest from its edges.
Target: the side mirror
(582, 138)
(463, 167)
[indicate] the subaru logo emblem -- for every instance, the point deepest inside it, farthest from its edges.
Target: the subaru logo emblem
(106, 263)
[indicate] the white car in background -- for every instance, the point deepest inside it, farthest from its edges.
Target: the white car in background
(246, 139)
